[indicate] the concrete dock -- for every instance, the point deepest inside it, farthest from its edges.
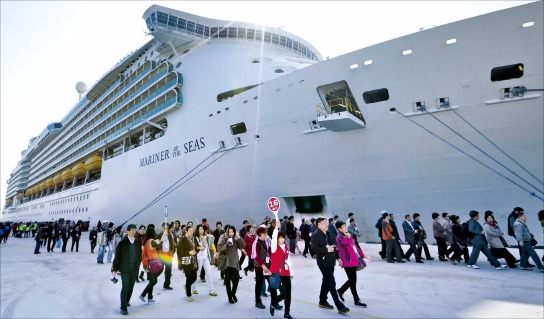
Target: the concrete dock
(73, 285)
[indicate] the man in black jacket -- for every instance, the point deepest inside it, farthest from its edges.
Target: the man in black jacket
(379, 228)
(128, 255)
(326, 254)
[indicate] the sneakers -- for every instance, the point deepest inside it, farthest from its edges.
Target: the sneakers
(213, 293)
(473, 267)
(142, 299)
(360, 304)
(203, 279)
(260, 305)
(152, 301)
(195, 292)
(500, 267)
(526, 268)
(343, 310)
(190, 299)
(326, 305)
(340, 295)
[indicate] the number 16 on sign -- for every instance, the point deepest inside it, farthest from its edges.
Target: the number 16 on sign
(273, 204)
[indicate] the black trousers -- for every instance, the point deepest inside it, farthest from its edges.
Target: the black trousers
(93, 245)
(328, 285)
(413, 250)
(168, 273)
(232, 276)
(392, 248)
(259, 278)
(64, 243)
(148, 290)
(442, 246)
(242, 259)
(503, 253)
(351, 283)
(76, 242)
(127, 279)
(382, 252)
(307, 247)
(51, 242)
(249, 264)
(458, 252)
(285, 294)
(423, 245)
(190, 278)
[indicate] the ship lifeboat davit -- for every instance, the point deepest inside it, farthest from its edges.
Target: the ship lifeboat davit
(50, 183)
(93, 164)
(67, 175)
(57, 180)
(79, 170)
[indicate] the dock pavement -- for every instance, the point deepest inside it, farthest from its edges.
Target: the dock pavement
(73, 285)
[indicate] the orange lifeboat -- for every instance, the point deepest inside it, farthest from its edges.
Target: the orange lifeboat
(93, 164)
(57, 180)
(28, 192)
(67, 175)
(79, 170)
(49, 182)
(43, 186)
(20, 196)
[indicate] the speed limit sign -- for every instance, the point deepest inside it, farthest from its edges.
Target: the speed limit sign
(273, 204)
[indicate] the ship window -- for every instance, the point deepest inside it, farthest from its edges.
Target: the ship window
(241, 33)
(238, 128)
(190, 27)
(255, 61)
(283, 41)
(507, 72)
(200, 29)
(233, 32)
(308, 204)
(278, 71)
(375, 96)
(225, 95)
(250, 34)
(267, 37)
(275, 39)
(289, 43)
(258, 35)
(178, 65)
(162, 18)
(171, 56)
(172, 21)
(223, 33)
(206, 31)
(182, 24)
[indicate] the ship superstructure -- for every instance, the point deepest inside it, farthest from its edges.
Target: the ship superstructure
(212, 117)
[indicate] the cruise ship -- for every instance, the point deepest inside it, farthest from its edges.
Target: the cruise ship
(211, 118)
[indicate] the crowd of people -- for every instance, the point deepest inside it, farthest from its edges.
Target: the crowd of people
(143, 254)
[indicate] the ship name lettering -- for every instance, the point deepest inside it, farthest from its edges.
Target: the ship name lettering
(195, 145)
(152, 159)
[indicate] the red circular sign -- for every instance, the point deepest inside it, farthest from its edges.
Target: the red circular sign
(273, 204)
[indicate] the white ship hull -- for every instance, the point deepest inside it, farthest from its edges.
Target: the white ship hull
(389, 164)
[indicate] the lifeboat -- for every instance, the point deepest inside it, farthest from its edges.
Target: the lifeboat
(93, 164)
(49, 182)
(67, 175)
(20, 196)
(79, 170)
(57, 180)
(28, 192)
(9, 201)
(43, 186)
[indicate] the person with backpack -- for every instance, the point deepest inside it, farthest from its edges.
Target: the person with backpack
(459, 242)
(102, 241)
(479, 243)
(511, 220)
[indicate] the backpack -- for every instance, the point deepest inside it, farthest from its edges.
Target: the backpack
(511, 220)
(466, 232)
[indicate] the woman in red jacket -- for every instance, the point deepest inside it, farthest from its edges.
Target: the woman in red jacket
(349, 254)
(281, 261)
(249, 239)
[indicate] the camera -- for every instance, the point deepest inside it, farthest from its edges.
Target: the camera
(113, 279)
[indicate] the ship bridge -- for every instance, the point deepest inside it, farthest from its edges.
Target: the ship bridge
(176, 28)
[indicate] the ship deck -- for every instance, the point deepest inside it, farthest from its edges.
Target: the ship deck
(73, 285)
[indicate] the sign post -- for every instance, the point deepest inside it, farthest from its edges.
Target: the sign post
(274, 205)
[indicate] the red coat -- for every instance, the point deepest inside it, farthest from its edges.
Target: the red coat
(278, 262)
(249, 243)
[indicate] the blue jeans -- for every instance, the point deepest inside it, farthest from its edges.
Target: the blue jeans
(476, 248)
(101, 250)
(110, 250)
(526, 251)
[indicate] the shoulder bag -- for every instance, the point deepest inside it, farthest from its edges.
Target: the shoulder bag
(154, 264)
(362, 262)
(275, 279)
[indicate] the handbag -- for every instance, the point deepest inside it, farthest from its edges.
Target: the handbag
(504, 243)
(362, 264)
(155, 266)
(275, 279)
(189, 262)
(222, 261)
(533, 241)
(58, 243)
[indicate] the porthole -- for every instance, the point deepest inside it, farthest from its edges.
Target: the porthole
(178, 65)
(151, 53)
(255, 61)
(171, 56)
(278, 71)
(185, 51)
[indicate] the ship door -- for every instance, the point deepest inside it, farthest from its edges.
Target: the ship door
(339, 111)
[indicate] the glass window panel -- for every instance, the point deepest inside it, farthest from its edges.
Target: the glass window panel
(207, 32)
(200, 29)
(275, 39)
(233, 32)
(258, 35)
(162, 18)
(172, 21)
(153, 18)
(283, 41)
(182, 24)
(223, 33)
(289, 43)
(250, 34)
(267, 36)
(190, 27)
(214, 32)
(241, 33)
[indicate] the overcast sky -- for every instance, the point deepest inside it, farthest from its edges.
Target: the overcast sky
(47, 46)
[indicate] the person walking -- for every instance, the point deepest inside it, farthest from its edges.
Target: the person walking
(102, 241)
(326, 256)
(230, 244)
(249, 238)
(459, 241)
(421, 236)
(93, 235)
(305, 231)
(75, 234)
(349, 254)
(379, 226)
(410, 237)
(187, 252)
(496, 241)
(281, 262)
(151, 245)
(126, 262)
(166, 251)
(260, 253)
(391, 246)
(479, 243)
(39, 238)
(203, 256)
(65, 236)
(440, 237)
(523, 236)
